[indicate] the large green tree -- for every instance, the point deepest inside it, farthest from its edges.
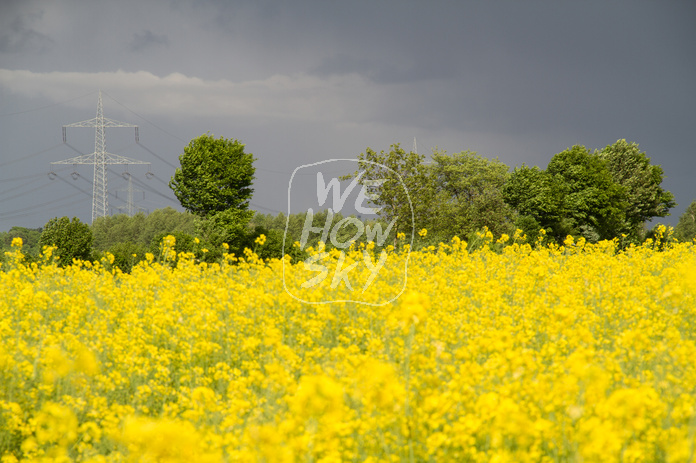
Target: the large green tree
(216, 175)
(456, 194)
(72, 238)
(575, 195)
(536, 194)
(469, 194)
(593, 204)
(644, 196)
(402, 184)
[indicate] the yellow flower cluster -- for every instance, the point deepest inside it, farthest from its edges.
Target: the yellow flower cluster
(578, 352)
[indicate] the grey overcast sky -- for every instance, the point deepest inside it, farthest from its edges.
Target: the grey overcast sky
(308, 80)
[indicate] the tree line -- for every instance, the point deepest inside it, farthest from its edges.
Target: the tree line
(130, 238)
(605, 194)
(602, 194)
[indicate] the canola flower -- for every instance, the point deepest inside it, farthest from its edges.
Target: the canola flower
(577, 352)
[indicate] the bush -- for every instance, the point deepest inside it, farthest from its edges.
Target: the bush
(72, 239)
(184, 243)
(127, 255)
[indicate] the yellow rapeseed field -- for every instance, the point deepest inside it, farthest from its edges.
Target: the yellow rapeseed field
(563, 353)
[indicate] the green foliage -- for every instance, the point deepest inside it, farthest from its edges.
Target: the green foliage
(601, 195)
(660, 237)
(455, 195)
(215, 175)
(529, 226)
(215, 183)
(123, 236)
(469, 195)
(575, 195)
(269, 222)
(607, 194)
(644, 197)
(535, 194)
(593, 204)
(126, 255)
(274, 230)
(226, 227)
(406, 193)
(140, 229)
(111, 230)
(183, 243)
(272, 248)
(72, 238)
(686, 228)
(30, 241)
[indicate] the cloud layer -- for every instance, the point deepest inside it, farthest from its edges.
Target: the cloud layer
(346, 97)
(309, 80)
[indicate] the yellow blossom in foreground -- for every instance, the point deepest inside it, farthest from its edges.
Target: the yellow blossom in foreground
(580, 352)
(164, 440)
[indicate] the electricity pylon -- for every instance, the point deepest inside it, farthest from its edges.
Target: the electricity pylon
(100, 158)
(130, 206)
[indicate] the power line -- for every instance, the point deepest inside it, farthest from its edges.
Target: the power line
(171, 199)
(146, 120)
(150, 189)
(24, 158)
(77, 176)
(144, 185)
(161, 181)
(24, 192)
(10, 190)
(26, 214)
(180, 139)
(25, 177)
(156, 202)
(125, 148)
(5, 215)
(74, 149)
(75, 186)
(156, 155)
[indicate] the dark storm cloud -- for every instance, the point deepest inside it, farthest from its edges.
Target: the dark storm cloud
(309, 79)
(514, 67)
(147, 39)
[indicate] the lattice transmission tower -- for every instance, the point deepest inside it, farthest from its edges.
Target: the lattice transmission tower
(100, 158)
(130, 208)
